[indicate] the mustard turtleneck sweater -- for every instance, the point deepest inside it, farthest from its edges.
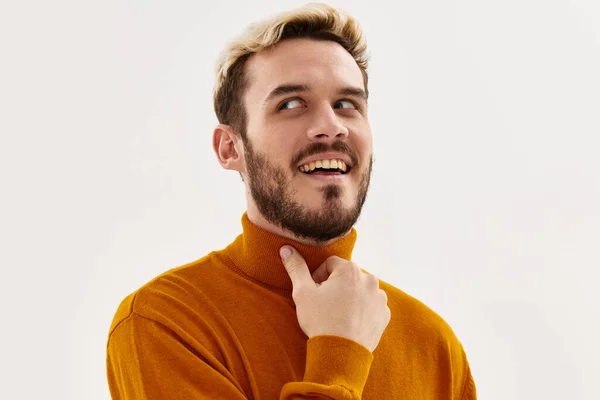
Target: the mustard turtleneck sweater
(225, 327)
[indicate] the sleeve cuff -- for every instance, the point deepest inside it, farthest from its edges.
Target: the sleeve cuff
(336, 360)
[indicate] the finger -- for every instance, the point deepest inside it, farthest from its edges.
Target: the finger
(296, 267)
(322, 273)
(372, 280)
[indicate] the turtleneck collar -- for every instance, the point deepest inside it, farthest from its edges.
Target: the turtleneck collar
(256, 253)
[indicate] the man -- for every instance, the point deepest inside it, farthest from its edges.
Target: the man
(282, 312)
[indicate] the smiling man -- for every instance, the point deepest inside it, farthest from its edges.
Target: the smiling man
(306, 145)
(283, 312)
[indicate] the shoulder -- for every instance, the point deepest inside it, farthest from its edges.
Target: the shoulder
(410, 313)
(168, 293)
(417, 328)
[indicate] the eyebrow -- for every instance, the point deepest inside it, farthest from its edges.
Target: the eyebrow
(283, 90)
(354, 91)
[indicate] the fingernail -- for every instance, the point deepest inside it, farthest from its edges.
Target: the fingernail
(285, 252)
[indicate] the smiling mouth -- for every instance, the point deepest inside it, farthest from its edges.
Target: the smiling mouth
(322, 171)
(326, 167)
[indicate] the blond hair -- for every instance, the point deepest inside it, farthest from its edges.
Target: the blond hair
(314, 21)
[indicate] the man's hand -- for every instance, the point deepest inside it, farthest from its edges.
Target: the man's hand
(337, 299)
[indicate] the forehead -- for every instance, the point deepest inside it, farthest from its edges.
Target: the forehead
(316, 63)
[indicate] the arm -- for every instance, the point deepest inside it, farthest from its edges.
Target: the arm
(469, 391)
(336, 368)
(463, 385)
(146, 361)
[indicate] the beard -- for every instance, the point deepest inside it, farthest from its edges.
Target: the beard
(273, 194)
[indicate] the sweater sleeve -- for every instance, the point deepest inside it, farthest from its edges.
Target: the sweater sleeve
(336, 368)
(469, 390)
(464, 385)
(147, 361)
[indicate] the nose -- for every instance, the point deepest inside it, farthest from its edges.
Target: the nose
(326, 125)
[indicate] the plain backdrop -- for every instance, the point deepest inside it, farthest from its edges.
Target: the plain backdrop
(485, 197)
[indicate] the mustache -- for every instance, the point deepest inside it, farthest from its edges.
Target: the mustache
(319, 147)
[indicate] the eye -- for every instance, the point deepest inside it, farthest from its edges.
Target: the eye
(345, 104)
(291, 104)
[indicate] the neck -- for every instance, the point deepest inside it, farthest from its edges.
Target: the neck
(255, 254)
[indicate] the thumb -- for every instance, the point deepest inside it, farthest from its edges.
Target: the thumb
(295, 266)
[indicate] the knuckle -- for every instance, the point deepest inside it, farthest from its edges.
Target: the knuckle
(373, 279)
(354, 269)
(383, 294)
(293, 265)
(298, 292)
(350, 270)
(371, 282)
(354, 266)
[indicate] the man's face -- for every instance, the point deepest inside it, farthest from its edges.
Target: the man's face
(305, 104)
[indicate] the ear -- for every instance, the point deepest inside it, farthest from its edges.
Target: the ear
(228, 147)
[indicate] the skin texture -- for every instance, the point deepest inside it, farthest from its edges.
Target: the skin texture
(283, 130)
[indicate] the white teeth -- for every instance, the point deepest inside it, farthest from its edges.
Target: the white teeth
(326, 164)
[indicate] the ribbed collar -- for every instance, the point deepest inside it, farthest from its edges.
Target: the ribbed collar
(256, 253)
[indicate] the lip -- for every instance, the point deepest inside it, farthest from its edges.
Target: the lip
(327, 178)
(327, 156)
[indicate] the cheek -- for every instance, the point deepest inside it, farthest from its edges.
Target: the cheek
(279, 153)
(365, 143)
(361, 141)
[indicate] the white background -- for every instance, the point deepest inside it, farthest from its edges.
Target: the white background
(485, 200)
